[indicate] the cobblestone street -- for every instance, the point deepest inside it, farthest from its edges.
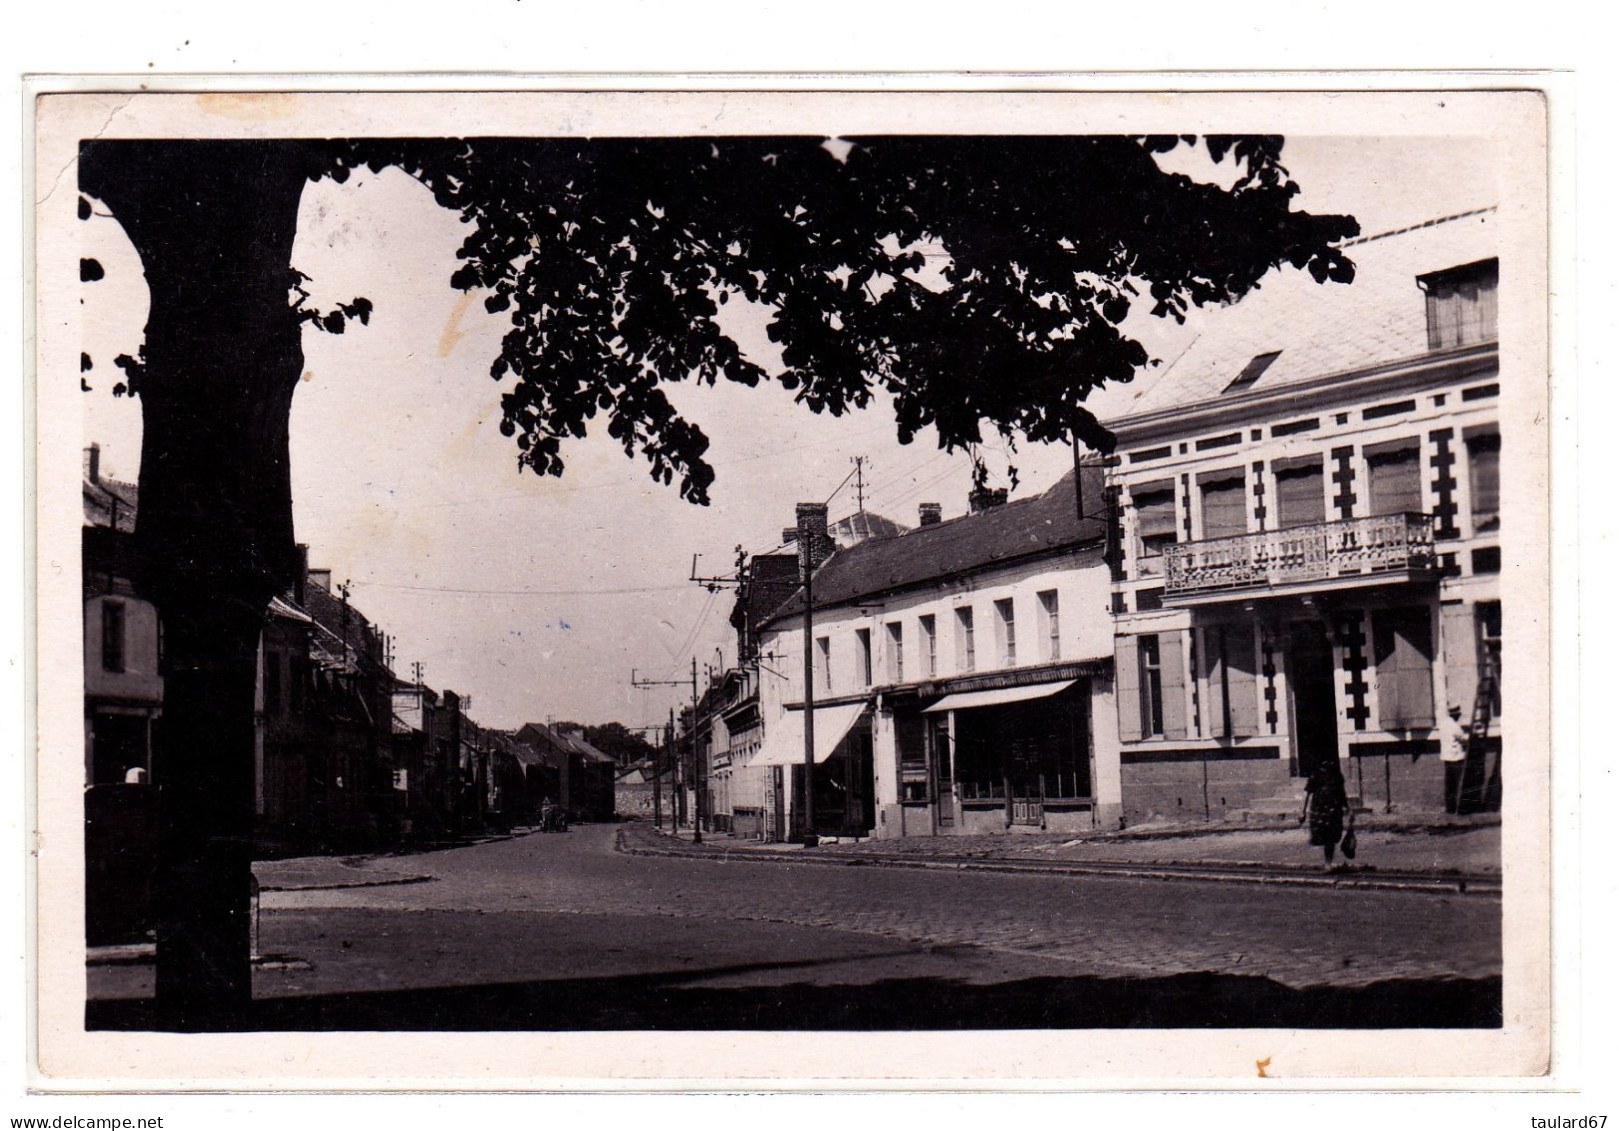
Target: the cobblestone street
(568, 919)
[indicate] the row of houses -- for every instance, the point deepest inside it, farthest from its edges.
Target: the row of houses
(348, 756)
(1293, 558)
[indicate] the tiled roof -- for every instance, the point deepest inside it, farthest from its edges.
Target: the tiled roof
(109, 502)
(971, 542)
(1319, 328)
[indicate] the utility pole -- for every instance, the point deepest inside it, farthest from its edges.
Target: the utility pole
(806, 561)
(657, 774)
(674, 807)
(697, 760)
(859, 482)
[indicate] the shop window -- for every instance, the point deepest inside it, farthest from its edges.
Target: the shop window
(896, 653)
(862, 644)
(1395, 473)
(1402, 642)
(929, 629)
(1048, 609)
(1462, 304)
(112, 636)
(1155, 524)
(1225, 506)
(966, 652)
(1301, 498)
(1484, 475)
(1006, 632)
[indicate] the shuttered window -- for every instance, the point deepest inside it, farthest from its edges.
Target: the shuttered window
(1229, 682)
(1402, 642)
(1151, 692)
(1462, 305)
(1127, 692)
(1484, 472)
(1396, 480)
(1172, 680)
(1155, 519)
(1225, 508)
(1300, 496)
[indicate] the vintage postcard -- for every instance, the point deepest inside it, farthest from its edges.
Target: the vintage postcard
(803, 588)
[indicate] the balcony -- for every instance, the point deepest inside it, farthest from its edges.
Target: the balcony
(1356, 551)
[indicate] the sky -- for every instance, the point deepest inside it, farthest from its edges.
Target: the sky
(539, 598)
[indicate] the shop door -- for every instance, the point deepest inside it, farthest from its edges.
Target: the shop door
(944, 782)
(1315, 710)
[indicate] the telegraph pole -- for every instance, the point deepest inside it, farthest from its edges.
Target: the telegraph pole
(674, 808)
(697, 760)
(806, 560)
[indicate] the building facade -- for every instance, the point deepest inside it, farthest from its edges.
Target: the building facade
(960, 677)
(1309, 538)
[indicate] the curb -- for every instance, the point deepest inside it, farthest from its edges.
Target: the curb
(1206, 873)
(342, 885)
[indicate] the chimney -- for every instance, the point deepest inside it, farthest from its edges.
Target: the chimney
(811, 533)
(92, 463)
(981, 499)
(322, 578)
(929, 514)
(300, 583)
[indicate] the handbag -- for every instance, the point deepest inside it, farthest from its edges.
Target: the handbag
(1348, 845)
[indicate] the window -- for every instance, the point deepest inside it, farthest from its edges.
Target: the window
(862, 641)
(112, 636)
(1048, 607)
(1225, 505)
(1253, 371)
(1006, 632)
(966, 659)
(930, 645)
(1402, 643)
(1300, 494)
(823, 660)
(1484, 474)
(1462, 304)
(1152, 688)
(896, 653)
(1231, 703)
(1396, 478)
(1155, 521)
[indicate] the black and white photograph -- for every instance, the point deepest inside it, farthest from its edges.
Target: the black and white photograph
(1047, 585)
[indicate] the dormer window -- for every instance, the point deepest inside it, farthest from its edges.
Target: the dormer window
(1461, 304)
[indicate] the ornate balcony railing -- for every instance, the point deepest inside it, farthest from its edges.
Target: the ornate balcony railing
(1356, 548)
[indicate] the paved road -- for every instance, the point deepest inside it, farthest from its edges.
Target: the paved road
(563, 932)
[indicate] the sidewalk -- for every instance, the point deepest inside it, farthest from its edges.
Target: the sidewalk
(1422, 853)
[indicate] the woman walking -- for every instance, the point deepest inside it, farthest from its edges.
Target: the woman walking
(1325, 805)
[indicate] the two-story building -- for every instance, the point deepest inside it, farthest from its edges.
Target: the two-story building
(1310, 532)
(961, 675)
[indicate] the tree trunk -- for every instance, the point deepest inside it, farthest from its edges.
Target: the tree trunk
(213, 223)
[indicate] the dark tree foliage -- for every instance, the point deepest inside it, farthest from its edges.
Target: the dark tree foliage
(614, 257)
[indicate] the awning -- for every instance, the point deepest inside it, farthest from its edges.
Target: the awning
(784, 737)
(998, 695)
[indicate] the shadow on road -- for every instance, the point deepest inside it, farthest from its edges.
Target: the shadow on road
(662, 1002)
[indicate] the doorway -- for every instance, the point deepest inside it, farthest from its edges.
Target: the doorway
(1315, 708)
